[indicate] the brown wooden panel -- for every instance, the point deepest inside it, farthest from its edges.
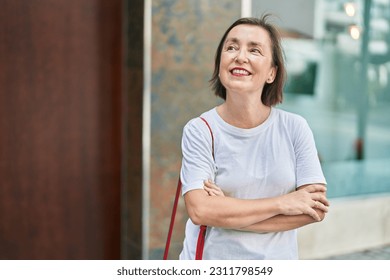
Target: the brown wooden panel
(132, 210)
(60, 129)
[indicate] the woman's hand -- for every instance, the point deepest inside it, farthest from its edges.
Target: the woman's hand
(305, 201)
(212, 189)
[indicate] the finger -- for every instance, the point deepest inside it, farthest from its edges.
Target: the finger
(321, 206)
(208, 189)
(320, 197)
(213, 188)
(316, 188)
(217, 192)
(209, 184)
(313, 214)
(211, 191)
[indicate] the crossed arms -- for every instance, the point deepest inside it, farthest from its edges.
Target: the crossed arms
(308, 204)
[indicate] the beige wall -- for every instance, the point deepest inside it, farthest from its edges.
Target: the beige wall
(353, 224)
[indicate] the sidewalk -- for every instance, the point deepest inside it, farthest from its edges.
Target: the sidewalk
(380, 253)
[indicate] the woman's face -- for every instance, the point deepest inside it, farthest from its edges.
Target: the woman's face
(246, 60)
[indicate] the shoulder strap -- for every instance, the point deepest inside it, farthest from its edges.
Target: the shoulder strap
(212, 135)
(178, 190)
(202, 230)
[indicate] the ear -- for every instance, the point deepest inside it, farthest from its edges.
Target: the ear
(272, 74)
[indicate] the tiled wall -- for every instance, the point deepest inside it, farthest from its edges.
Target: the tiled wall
(185, 35)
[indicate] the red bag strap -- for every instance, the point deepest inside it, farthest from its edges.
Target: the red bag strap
(178, 190)
(202, 229)
(212, 136)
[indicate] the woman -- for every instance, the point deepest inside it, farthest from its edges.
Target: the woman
(265, 179)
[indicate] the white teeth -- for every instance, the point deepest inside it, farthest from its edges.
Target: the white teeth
(240, 72)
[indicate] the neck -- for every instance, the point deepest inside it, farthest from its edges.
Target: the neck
(244, 112)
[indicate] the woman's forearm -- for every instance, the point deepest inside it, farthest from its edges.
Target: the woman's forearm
(282, 223)
(227, 212)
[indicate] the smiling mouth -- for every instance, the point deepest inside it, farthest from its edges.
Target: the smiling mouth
(240, 72)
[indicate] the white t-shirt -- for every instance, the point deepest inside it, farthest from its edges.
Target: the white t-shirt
(269, 160)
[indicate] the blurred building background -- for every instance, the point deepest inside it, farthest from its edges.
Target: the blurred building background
(337, 55)
(94, 95)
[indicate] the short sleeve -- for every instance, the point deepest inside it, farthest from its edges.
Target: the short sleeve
(197, 162)
(308, 166)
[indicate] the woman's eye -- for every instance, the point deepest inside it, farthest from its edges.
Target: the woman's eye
(231, 48)
(256, 51)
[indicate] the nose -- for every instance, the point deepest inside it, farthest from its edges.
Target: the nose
(241, 57)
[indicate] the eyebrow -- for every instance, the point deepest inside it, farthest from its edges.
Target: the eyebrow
(236, 41)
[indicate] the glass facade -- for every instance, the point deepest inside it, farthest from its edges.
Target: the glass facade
(338, 64)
